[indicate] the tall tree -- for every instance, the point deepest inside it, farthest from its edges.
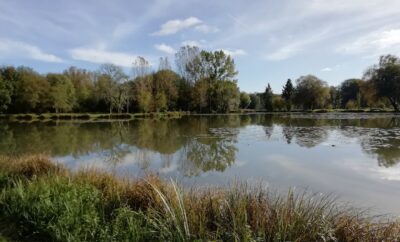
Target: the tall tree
(62, 92)
(5, 95)
(110, 83)
(83, 82)
(311, 92)
(244, 100)
(164, 64)
(386, 78)
(31, 93)
(288, 93)
(217, 70)
(141, 67)
(184, 58)
(268, 98)
(350, 90)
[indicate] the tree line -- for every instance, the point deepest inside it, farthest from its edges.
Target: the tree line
(203, 81)
(378, 88)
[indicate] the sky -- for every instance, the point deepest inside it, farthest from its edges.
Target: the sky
(270, 40)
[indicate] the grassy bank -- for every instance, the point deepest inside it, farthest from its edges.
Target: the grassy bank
(87, 116)
(42, 201)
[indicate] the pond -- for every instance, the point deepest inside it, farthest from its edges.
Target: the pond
(353, 156)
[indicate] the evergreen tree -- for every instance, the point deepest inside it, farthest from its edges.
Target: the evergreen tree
(287, 94)
(268, 98)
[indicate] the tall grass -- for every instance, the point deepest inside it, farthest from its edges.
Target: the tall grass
(41, 201)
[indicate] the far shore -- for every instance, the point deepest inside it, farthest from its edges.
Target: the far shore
(170, 114)
(87, 116)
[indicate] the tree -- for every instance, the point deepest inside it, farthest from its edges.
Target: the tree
(244, 100)
(216, 71)
(164, 64)
(288, 93)
(278, 103)
(164, 83)
(386, 78)
(334, 97)
(31, 93)
(311, 92)
(84, 87)
(214, 66)
(111, 88)
(255, 101)
(141, 67)
(62, 92)
(184, 58)
(5, 95)
(350, 90)
(268, 96)
(10, 77)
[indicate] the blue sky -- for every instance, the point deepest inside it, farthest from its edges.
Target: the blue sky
(270, 40)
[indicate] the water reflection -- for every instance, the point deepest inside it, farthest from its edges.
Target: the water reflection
(197, 144)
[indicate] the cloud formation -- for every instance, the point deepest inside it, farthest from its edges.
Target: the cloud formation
(173, 26)
(12, 49)
(102, 56)
(165, 48)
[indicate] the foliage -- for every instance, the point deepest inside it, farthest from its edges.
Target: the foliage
(386, 78)
(62, 92)
(288, 93)
(311, 92)
(205, 82)
(5, 95)
(244, 100)
(268, 97)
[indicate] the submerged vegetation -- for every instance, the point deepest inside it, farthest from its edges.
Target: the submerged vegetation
(42, 201)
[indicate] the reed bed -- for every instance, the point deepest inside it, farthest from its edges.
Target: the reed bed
(43, 201)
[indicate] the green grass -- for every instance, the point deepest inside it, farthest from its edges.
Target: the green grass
(41, 201)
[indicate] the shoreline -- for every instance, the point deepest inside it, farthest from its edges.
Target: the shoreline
(172, 114)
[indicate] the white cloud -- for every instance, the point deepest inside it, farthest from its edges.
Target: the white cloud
(165, 48)
(10, 49)
(375, 43)
(102, 56)
(283, 53)
(234, 53)
(176, 25)
(326, 69)
(206, 28)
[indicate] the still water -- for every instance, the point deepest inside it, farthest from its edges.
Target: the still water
(354, 156)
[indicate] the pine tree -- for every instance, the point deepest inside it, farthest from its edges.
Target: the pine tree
(268, 96)
(287, 94)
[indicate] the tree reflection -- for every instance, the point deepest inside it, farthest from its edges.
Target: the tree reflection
(192, 144)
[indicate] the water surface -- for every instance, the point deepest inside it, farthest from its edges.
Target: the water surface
(354, 156)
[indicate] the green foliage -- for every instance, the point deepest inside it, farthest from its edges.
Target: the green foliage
(288, 94)
(215, 88)
(32, 92)
(386, 78)
(311, 92)
(62, 93)
(350, 90)
(56, 209)
(5, 95)
(268, 97)
(244, 100)
(90, 206)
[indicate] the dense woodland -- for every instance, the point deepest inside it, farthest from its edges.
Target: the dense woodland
(202, 81)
